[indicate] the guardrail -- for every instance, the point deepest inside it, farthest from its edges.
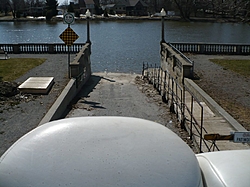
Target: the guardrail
(198, 48)
(41, 48)
(174, 95)
(213, 48)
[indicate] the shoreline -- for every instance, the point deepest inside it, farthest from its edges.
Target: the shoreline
(128, 18)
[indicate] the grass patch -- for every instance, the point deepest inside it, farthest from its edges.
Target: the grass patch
(13, 68)
(241, 67)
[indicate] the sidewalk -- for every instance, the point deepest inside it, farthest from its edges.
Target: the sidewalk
(215, 121)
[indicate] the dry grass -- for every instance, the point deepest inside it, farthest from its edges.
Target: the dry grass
(236, 109)
(241, 67)
(13, 68)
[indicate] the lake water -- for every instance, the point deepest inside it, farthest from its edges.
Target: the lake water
(122, 46)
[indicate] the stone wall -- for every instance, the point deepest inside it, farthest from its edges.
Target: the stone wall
(175, 63)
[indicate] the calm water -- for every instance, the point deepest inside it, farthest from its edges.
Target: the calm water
(122, 46)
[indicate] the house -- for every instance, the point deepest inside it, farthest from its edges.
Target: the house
(121, 6)
(128, 7)
(137, 8)
(90, 4)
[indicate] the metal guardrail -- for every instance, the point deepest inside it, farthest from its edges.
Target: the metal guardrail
(174, 95)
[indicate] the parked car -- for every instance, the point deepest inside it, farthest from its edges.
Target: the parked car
(115, 151)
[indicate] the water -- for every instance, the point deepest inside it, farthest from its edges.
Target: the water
(122, 46)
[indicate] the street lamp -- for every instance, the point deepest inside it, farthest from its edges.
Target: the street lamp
(88, 14)
(163, 14)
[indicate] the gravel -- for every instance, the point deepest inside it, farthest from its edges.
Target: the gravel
(25, 112)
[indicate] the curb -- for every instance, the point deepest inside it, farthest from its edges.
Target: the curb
(58, 108)
(215, 107)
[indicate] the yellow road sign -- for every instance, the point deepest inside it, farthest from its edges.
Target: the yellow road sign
(69, 36)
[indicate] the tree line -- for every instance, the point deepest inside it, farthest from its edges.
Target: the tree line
(25, 8)
(213, 8)
(239, 9)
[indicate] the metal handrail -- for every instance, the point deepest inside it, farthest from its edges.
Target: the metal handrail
(171, 92)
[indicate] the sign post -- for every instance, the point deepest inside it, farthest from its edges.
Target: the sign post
(68, 35)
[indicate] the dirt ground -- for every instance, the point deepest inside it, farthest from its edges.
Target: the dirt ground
(229, 89)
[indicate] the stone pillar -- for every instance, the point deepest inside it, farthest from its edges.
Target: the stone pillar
(51, 48)
(202, 49)
(16, 49)
(238, 50)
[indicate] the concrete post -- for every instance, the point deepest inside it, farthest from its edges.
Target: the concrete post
(52, 49)
(16, 49)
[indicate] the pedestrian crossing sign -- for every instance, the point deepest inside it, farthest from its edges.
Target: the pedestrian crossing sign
(69, 36)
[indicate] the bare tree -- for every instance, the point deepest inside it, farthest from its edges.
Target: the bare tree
(186, 7)
(231, 8)
(4, 6)
(15, 7)
(216, 8)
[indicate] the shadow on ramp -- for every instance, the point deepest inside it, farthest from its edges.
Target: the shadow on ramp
(84, 92)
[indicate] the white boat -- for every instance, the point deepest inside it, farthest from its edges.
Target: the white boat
(112, 151)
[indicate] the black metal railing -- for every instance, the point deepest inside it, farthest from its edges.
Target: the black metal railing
(174, 95)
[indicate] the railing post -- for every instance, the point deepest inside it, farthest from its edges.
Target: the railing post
(201, 134)
(172, 97)
(158, 81)
(52, 48)
(143, 67)
(164, 88)
(183, 104)
(177, 99)
(202, 49)
(147, 70)
(16, 48)
(239, 50)
(154, 75)
(191, 121)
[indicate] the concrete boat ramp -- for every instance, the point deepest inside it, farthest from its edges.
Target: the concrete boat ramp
(116, 94)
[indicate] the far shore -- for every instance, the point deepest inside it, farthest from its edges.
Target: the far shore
(129, 18)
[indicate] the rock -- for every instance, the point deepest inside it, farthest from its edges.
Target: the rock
(8, 89)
